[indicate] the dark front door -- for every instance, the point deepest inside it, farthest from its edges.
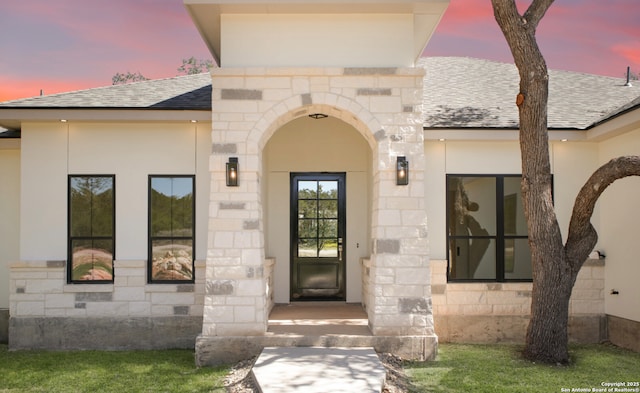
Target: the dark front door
(318, 251)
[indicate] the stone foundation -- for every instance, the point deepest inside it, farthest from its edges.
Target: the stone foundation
(212, 351)
(64, 333)
(624, 332)
(499, 312)
(48, 313)
(512, 328)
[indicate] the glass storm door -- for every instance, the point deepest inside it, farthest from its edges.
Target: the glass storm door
(318, 241)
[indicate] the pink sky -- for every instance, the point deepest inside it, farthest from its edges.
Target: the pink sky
(65, 45)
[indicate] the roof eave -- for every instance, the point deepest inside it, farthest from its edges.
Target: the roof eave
(443, 134)
(618, 124)
(12, 118)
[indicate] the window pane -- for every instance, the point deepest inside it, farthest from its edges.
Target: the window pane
(307, 189)
(91, 260)
(328, 248)
(182, 206)
(91, 206)
(472, 258)
(307, 228)
(307, 248)
(80, 209)
(102, 207)
(172, 260)
(328, 209)
(172, 206)
(328, 189)
(160, 206)
(328, 228)
(514, 220)
(307, 209)
(517, 259)
(472, 206)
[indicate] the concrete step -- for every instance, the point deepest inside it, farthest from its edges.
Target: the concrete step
(319, 370)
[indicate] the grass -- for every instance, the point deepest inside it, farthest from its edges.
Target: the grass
(458, 368)
(98, 371)
(500, 368)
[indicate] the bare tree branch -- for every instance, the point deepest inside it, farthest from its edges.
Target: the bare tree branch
(582, 236)
(536, 12)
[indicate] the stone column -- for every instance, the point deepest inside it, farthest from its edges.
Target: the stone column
(235, 290)
(399, 275)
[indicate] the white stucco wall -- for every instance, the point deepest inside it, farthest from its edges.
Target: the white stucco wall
(52, 151)
(324, 145)
(43, 200)
(619, 232)
(9, 213)
(317, 40)
(571, 164)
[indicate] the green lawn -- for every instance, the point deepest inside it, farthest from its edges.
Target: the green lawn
(97, 371)
(458, 368)
(500, 368)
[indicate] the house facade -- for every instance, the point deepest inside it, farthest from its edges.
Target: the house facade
(324, 160)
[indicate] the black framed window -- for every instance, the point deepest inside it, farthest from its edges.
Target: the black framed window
(171, 228)
(91, 228)
(486, 229)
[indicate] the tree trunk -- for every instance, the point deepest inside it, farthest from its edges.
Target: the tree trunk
(546, 338)
(555, 266)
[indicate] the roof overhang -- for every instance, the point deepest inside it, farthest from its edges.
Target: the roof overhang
(206, 14)
(619, 124)
(12, 118)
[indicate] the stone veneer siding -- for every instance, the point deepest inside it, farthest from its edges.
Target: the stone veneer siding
(499, 312)
(624, 332)
(48, 313)
(384, 105)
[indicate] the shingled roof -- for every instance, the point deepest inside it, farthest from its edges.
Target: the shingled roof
(472, 93)
(459, 93)
(180, 93)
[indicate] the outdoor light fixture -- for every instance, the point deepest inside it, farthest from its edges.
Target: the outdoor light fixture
(318, 116)
(232, 172)
(402, 171)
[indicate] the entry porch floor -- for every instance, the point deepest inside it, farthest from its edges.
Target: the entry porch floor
(313, 324)
(318, 319)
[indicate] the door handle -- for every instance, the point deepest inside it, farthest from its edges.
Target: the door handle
(339, 249)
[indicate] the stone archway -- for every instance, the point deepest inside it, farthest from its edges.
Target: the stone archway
(384, 105)
(349, 111)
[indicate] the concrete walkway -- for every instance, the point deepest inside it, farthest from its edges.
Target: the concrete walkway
(319, 370)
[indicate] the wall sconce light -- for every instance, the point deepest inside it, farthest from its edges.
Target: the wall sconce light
(232, 172)
(402, 171)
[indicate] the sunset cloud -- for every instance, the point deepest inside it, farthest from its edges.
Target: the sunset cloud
(77, 43)
(64, 45)
(591, 36)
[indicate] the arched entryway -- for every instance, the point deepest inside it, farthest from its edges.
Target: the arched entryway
(318, 151)
(261, 118)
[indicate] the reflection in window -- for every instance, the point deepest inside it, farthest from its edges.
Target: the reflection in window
(318, 219)
(91, 228)
(171, 228)
(487, 230)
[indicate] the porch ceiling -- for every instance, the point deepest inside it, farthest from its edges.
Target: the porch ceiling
(206, 14)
